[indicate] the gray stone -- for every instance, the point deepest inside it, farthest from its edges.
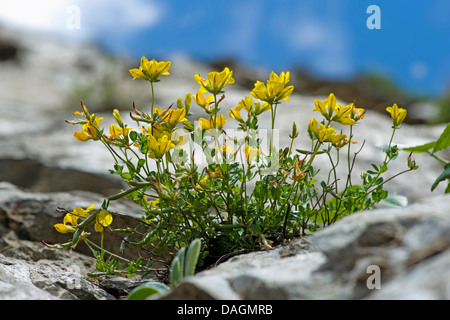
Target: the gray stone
(28, 272)
(409, 246)
(429, 280)
(31, 216)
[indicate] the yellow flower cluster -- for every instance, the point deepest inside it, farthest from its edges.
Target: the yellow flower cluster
(162, 136)
(150, 70)
(90, 128)
(254, 109)
(325, 133)
(397, 114)
(333, 112)
(70, 221)
(274, 90)
(216, 81)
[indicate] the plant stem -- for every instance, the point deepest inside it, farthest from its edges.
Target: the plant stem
(349, 178)
(444, 162)
(153, 96)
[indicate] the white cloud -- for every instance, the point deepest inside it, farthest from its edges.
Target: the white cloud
(101, 16)
(96, 17)
(31, 14)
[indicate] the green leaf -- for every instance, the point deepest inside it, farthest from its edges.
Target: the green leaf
(175, 274)
(192, 257)
(444, 175)
(146, 290)
(443, 141)
(126, 175)
(181, 256)
(141, 163)
(421, 148)
(133, 136)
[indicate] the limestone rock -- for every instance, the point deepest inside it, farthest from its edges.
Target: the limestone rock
(28, 272)
(31, 216)
(409, 247)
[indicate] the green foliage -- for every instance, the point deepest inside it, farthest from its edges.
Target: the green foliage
(185, 262)
(147, 290)
(183, 265)
(240, 195)
(442, 143)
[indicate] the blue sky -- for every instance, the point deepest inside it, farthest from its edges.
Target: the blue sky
(327, 37)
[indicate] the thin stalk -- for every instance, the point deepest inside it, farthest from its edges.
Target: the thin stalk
(349, 178)
(153, 97)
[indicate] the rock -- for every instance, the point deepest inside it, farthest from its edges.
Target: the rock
(410, 247)
(393, 239)
(430, 280)
(200, 288)
(31, 216)
(30, 270)
(37, 273)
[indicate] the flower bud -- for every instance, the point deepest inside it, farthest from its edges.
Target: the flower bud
(116, 116)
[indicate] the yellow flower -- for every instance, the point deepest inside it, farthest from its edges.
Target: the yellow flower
(261, 108)
(90, 129)
(256, 108)
(343, 115)
(329, 106)
(156, 130)
(213, 122)
(70, 220)
(251, 153)
(173, 117)
(275, 90)
(356, 113)
(103, 219)
(154, 204)
(203, 102)
(397, 114)
(246, 103)
(187, 102)
(283, 78)
(150, 70)
(339, 140)
(115, 132)
(313, 128)
(178, 140)
(62, 228)
(216, 81)
(202, 183)
(118, 118)
(325, 134)
(158, 147)
(298, 173)
(224, 150)
(326, 108)
(236, 114)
